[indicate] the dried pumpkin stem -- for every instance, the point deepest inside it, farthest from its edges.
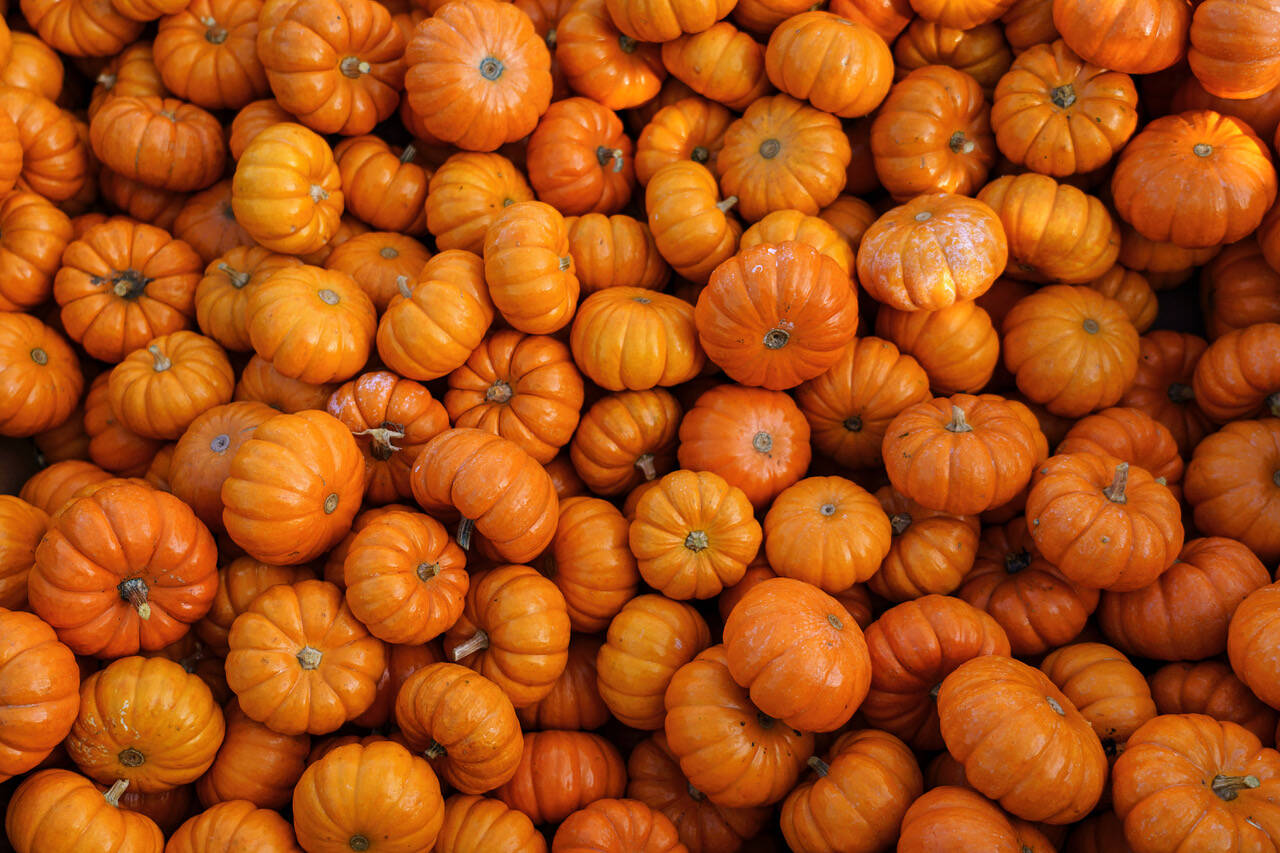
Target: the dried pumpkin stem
(727, 203)
(699, 154)
(358, 843)
(1115, 492)
(465, 528)
(406, 156)
(1014, 563)
(695, 794)
(353, 66)
(499, 392)
(1229, 787)
(762, 442)
(1063, 96)
(627, 44)
(39, 356)
(435, 750)
(900, 521)
(383, 438)
(477, 642)
(645, 463)
(162, 362)
(764, 720)
(817, 765)
(604, 155)
(961, 144)
(957, 422)
(134, 591)
(131, 757)
(1273, 404)
(129, 284)
(113, 794)
(426, 571)
(238, 279)
(697, 541)
(309, 657)
(853, 423)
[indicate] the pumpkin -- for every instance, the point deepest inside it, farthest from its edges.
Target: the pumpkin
(206, 53)
(850, 405)
(33, 235)
(960, 242)
(188, 372)
(625, 439)
(141, 587)
(689, 129)
(844, 532)
(68, 441)
(912, 648)
(22, 526)
(52, 811)
(55, 159)
(254, 764)
(628, 338)
(379, 261)
(603, 64)
(1210, 688)
(1164, 264)
(664, 20)
(960, 16)
(716, 732)
(933, 134)
(310, 464)
(615, 251)
(529, 269)
(1134, 36)
(1233, 379)
(1189, 779)
(392, 419)
(378, 796)
(1132, 291)
(1070, 348)
(782, 154)
(208, 224)
(887, 17)
(562, 771)
(654, 778)
(574, 701)
(239, 582)
(302, 675)
(1056, 232)
(38, 678)
(997, 714)
(474, 824)
(261, 382)
(123, 284)
(113, 445)
(466, 193)
(302, 211)
(1250, 643)
(955, 818)
(498, 73)
(1239, 288)
(161, 142)
(252, 119)
(429, 328)
(859, 794)
(784, 225)
(1162, 387)
(32, 65)
(402, 662)
(405, 579)
(232, 825)
(40, 376)
(957, 346)
(202, 457)
(592, 563)
(138, 201)
(514, 630)
(981, 52)
(222, 296)
(49, 489)
(1105, 687)
(131, 72)
(383, 186)
(1198, 147)
(1059, 115)
(799, 654)
(147, 721)
(1080, 502)
(1234, 52)
(498, 488)
(1230, 485)
(579, 158)
(689, 221)
(930, 552)
(617, 824)
(1131, 436)
(335, 64)
(465, 723)
(757, 440)
(988, 447)
(806, 49)
(1260, 112)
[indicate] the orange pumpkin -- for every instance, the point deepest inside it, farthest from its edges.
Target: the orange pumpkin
(230, 825)
(615, 251)
(592, 563)
(473, 824)
(1129, 435)
(39, 375)
(430, 327)
(957, 346)
(930, 553)
(806, 48)
(603, 64)
(466, 193)
(23, 525)
(529, 269)
(1230, 485)
(580, 160)
(379, 261)
(981, 51)
(1234, 52)
(1239, 288)
(53, 809)
(1105, 686)
(690, 223)
(33, 235)
(39, 677)
(627, 338)
(1211, 688)
(826, 531)
(720, 63)
(222, 296)
(690, 129)
(202, 457)
(1162, 386)
(55, 158)
(783, 225)
(383, 186)
(560, 772)
(1134, 36)
(625, 439)
(161, 142)
(302, 211)
(158, 392)
(261, 382)
(1234, 378)
(950, 817)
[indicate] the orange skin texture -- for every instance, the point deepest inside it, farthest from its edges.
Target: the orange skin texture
(222, 296)
(202, 457)
(631, 339)
(861, 793)
(827, 531)
(1104, 685)
(594, 567)
(386, 187)
(617, 824)
(1196, 149)
(664, 20)
(580, 159)
(41, 379)
(930, 551)
(33, 235)
(1133, 292)
(22, 526)
(1251, 643)
(783, 225)
(888, 18)
(1134, 36)
(529, 269)
(957, 346)
(981, 52)
(1230, 485)
(950, 818)
(960, 472)
(615, 251)
(996, 715)
(716, 732)
(599, 65)
(626, 439)
(39, 679)
(912, 648)
(934, 251)
(560, 772)
(1160, 790)
(799, 653)
(446, 86)
(55, 156)
(1211, 688)
(231, 826)
(840, 66)
(1239, 288)
(57, 811)
(161, 142)
(159, 391)
(474, 824)
(254, 763)
(1237, 376)
(574, 701)
(431, 327)
(1235, 48)
(961, 15)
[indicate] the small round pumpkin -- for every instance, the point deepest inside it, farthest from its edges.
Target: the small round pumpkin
(689, 220)
(53, 810)
(529, 269)
(627, 338)
(826, 531)
(805, 50)
(1231, 485)
(40, 377)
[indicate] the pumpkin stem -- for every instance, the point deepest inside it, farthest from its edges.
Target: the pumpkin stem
(1229, 787)
(776, 338)
(353, 66)
(957, 422)
(1063, 96)
(699, 154)
(406, 156)
(725, 204)
(213, 33)
(113, 794)
(499, 392)
(1179, 393)
(818, 766)
(463, 537)
(331, 503)
(697, 541)
(106, 80)
(762, 442)
(426, 571)
(935, 690)
(309, 657)
(697, 795)
(389, 252)
(853, 423)
(383, 437)
(900, 521)
(39, 356)
(1115, 492)
(1273, 404)
(770, 148)
(645, 463)
(238, 279)
(827, 509)
(490, 68)
(565, 263)
(402, 285)
(162, 362)
(960, 144)
(358, 843)
(435, 750)
(1091, 326)
(1202, 149)
(1275, 477)
(134, 591)
(1014, 563)
(477, 642)
(129, 284)
(604, 155)
(551, 39)
(318, 193)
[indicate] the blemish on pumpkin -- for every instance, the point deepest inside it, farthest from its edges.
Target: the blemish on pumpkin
(1055, 705)
(331, 503)
(1202, 149)
(220, 443)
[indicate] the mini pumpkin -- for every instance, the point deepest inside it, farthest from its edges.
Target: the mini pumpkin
(826, 531)
(161, 142)
(625, 439)
(580, 160)
(721, 63)
(529, 269)
(39, 375)
(805, 49)
(689, 220)
(466, 193)
(626, 338)
(930, 551)
(1230, 485)
(35, 819)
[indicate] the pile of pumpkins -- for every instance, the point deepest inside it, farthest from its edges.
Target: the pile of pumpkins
(640, 426)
